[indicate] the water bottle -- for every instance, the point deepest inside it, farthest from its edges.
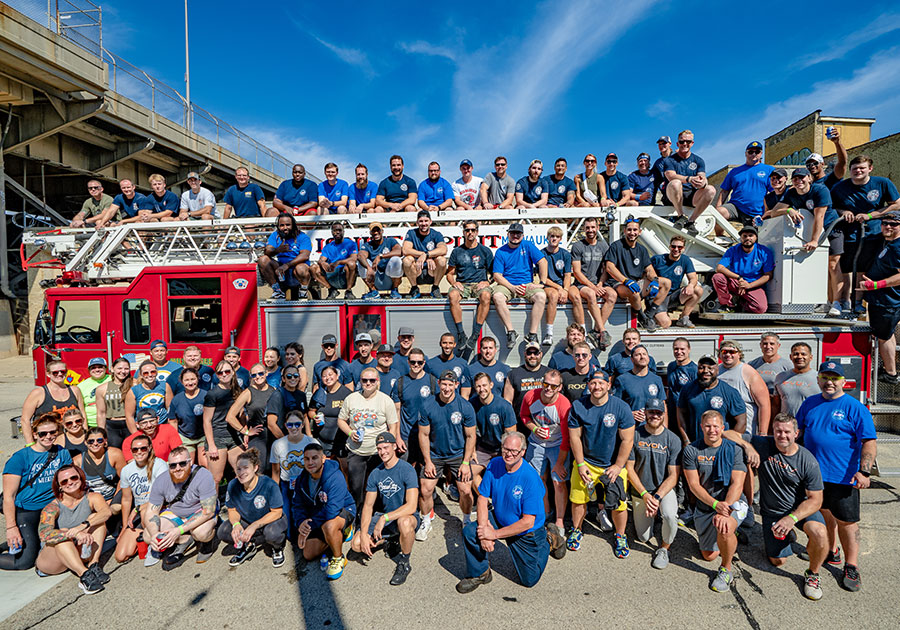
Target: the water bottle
(239, 544)
(758, 221)
(86, 550)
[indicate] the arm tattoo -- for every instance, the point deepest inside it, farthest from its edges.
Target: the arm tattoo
(207, 509)
(46, 530)
(866, 465)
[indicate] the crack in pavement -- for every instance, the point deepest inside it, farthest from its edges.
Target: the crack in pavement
(742, 603)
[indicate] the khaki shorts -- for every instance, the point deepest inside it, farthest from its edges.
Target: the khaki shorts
(471, 290)
(190, 443)
(531, 290)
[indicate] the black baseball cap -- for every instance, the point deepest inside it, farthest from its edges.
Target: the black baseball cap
(385, 437)
(327, 339)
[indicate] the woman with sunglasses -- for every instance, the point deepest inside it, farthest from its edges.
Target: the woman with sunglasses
(137, 477)
(247, 415)
(73, 525)
(322, 418)
(111, 402)
(272, 361)
(286, 457)
(27, 487)
(149, 393)
(223, 443)
(56, 395)
(74, 432)
(255, 512)
(186, 409)
(102, 465)
(293, 355)
(285, 399)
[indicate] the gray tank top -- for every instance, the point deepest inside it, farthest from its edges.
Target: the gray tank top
(70, 517)
(115, 402)
(735, 378)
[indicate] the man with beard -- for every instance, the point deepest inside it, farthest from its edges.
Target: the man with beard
(628, 266)
(526, 377)
(447, 360)
(742, 274)
(588, 270)
(336, 267)
(435, 193)
(709, 393)
(381, 262)
(286, 254)
(297, 196)
(638, 385)
(363, 192)
(641, 181)
(498, 189)
(469, 272)
(397, 192)
(794, 386)
(424, 256)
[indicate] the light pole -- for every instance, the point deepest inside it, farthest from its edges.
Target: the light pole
(188, 114)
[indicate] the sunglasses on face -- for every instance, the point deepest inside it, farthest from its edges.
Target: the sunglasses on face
(293, 425)
(499, 163)
(291, 377)
(728, 351)
(58, 373)
(685, 142)
(149, 373)
(411, 362)
(328, 345)
(581, 355)
(257, 374)
(140, 449)
(590, 161)
(46, 433)
(223, 372)
(676, 246)
(68, 480)
(97, 441)
(532, 353)
(176, 465)
(834, 378)
(551, 386)
(73, 423)
(470, 230)
(368, 380)
(93, 187)
(890, 223)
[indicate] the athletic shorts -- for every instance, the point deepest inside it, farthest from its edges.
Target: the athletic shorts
(450, 463)
(531, 290)
(737, 215)
(191, 444)
(836, 243)
(870, 249)
(782, 548)
(883, 321)
(337, 278)
(390, 530)
(471, 290)
(687, 198)
(318, 534)
(544, 458)
(706, 531)
(613, 496)
(842, 501)
(483, 455)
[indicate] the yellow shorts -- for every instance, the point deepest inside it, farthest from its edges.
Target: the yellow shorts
(612, 496)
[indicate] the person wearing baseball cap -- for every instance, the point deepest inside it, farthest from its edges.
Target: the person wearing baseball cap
(601, 436)
(406, 341)
(664, 143)
(641, 181)
(159, 353)
(560, 188)
(424, 257)
(241, 374)
(397, 192)
(364, 358)
(816, 163)
(387, 375)
(741, 194)
(531, 190)
(164, 436)
(380, 262)
(686, 172)
(742, 274)
(514, 267)
(778, 180)
(838, 430)
(197, 202)
(522, 379)
(618, 186)
(98, 373)
(467, 189)
(362, 192)
(331, 357)
(653, 470)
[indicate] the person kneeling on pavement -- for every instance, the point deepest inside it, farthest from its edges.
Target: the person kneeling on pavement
(517, 494)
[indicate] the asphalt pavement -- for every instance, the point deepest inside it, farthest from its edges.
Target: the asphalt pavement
(585, 589)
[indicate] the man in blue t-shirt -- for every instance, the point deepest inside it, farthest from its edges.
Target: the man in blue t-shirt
(362, 193)
(881, 284)
(514, 265)
(687, 184)
(742, 274)
(162, 204)
(424, 257)
(333, 192)
(396, 192)
(816, 163)
(516, 492)
(838, 430)
(679, 374)
(435, 193)
(560, 189)
(618, 186)
(487, 362)
(708, 392)
(246, 199)
(447, 360)
(641, 180)
(298, 195)
(558, 286)
(285, 258)
(671, 269)
(531, 190)
(380, 263)
(741, 194)
(638, 385)
(494, 416)
(336, 267)
(331, 358)
(125, 206)
(778, 180)
(469, 273)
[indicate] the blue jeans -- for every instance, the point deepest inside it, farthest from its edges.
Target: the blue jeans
(529, 553)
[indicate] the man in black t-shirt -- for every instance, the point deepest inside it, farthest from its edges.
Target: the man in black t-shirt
(574, 379)
(628, 266)
(468, 272)
(526, 377)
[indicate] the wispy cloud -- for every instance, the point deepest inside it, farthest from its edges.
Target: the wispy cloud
(299, 149)
(838, 47)
(427, 48)
(660, 109)
(351, 56)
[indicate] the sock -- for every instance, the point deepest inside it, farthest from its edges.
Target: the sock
(459, 327)
(548, 330)
(476, 328)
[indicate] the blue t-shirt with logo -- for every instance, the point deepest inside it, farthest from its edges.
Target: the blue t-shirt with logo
(334, 192)
(339, 251)
(748, 186)
(674, 270)
(386, 245)
(131, 206)
(168, 202)
(600, 427)
(636, 390)
(517, 264)
(189, 414)
(291, 195)
(343, 368)
(678, 377)
(688, 166)
(694, 400)
(641, 183)
(531, 191)
(363, 195)
(26, 463)
(207, 378)
(396, 191)
(817, 196)
(514, 494)
(562, 360)
(435, 365)
(297, 244)
(413, 393)
(749, 265)
(434, 193)
(616, 184)
(447, 422)
(497, 372)
(559, 263)
(357, 366)
(472, 265)
(873, 195)
(254, 505)
(245, 201)
(834, 430)
(559, 190)
(424, 243)
(620, 362)
(492, 420)
(885, 265)
(391, 485)
(387, 384)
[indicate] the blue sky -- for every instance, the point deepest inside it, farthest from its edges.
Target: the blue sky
(352, 81)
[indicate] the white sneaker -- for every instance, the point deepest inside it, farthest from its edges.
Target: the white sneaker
(424, 528)
(547, 340)
(835, 309)
(152, 558)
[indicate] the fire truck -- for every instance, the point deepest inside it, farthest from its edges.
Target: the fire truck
(194, 283)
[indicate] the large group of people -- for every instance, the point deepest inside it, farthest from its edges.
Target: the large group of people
(175, 459)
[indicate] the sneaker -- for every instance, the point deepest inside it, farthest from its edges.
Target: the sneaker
(603, 521)
(722, 583)
(400, 573)
(335, 568)
(152, 558)
(175, 558)
(811, 587)
(333, 294)
(467, 585)
(101, 575)
(835, 309)
(89, 583)
(414, 293)
(605, 341)
(621, 549)
(691, 229)
(436, 293)
(834, 558)
(511, 336)
(888, 379)
(685, 322)
(461, 341)
(205, 551)
(646, 321)
(573, 542)
(453, 493)
(724, 308)
(557, 543)
(531, 337)
(660, 559)
(846, 307)
(243, 554)
(277, 293)
(686, 518)
(349, 530)
(323, 562)
(314, 293)
(395, 295)
(680, 222)
(851, 580)
(371, 295)
(593, 337)
(547, 340)
(424, 528)
(277, 557)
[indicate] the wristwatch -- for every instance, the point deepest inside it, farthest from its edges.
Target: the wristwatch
(865, 473)
(656, 496)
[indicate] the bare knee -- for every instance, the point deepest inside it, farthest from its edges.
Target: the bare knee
(777, 562)
(709, 555)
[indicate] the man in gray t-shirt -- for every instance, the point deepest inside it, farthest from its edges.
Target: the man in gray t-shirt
(770, 364)
(797, 384)
(498, 190)
(588, 273)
